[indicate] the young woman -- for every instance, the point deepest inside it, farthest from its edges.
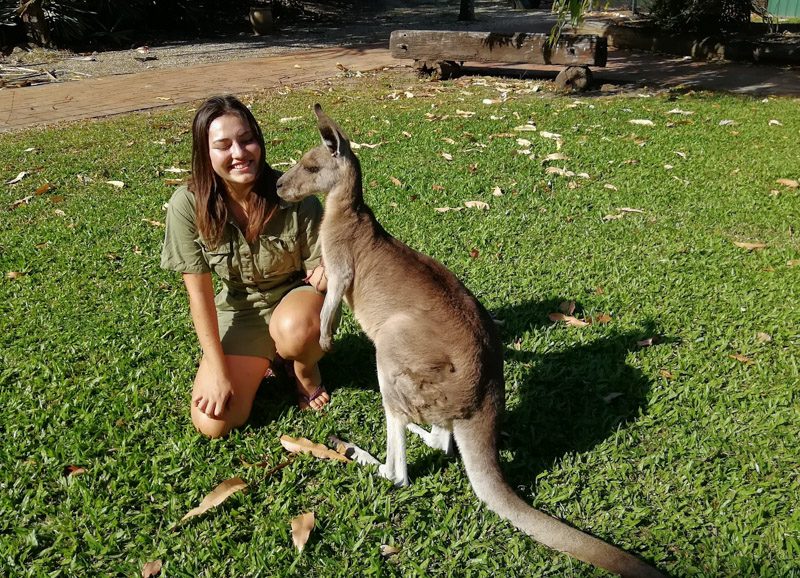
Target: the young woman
(266, 252)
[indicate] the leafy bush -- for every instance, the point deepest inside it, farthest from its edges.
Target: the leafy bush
(83, 24)
(706, 16)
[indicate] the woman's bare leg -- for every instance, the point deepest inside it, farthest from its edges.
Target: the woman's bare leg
(246, 373)
(295, 328)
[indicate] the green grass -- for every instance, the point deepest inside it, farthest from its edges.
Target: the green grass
(678, 452)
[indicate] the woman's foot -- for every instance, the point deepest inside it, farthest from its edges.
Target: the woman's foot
(311, 394)
(316, 401)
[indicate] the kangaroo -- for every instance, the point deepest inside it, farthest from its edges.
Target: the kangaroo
(439, 355)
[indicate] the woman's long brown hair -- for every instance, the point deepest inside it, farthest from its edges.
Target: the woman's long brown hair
(211, 212)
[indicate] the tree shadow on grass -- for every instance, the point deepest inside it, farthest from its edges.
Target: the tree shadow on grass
(569, 400)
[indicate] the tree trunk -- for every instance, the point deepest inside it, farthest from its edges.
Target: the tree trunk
(33, 22)
(467, 11)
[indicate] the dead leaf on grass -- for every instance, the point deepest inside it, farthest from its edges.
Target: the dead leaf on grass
(567, 307)
(306, 446)
(791, 183)
(153, 223)
(763, 337)
(497, 192)
(601, 319)
(117, 184)
(217, 496)
(642, 122)
(352, 451)
(43, 189)
(477, 205)
(151, 569)
(301, 529)
(447, 156)
(741, 358)
(569, 319)
(70, 471)
(750, 246)
(15, 275)
(396, 182)
(387, 551)
(18, 178)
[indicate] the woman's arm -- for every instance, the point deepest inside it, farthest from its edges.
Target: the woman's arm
(210, 398)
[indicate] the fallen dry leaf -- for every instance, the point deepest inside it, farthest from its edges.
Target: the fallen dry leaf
(218, 495)
(447, 209)
(14, 274)
(642, 122)
(174, 181)
(396, 182)
(437, 187)
(306, 446)
(647, 342)
(151, 569)
(176, 170)
(118, 184)
(569, 319)
(742, 358)
(750, 246)
(477, 205)
(727, 123)
(447, 156)
(610, 187)
(613, 217)
(555, 157)
(497, 192)
(356, 145)
(301, 529)
(567, 307)
(70, 471)
(763, 337)
(601, 319)
(387, 550)
(290, 118)
(18, 178)
(43, 189)
(791, 183)
(153, 223)
(666, 374)
(793, 263)
(353, 452)
(775, 122)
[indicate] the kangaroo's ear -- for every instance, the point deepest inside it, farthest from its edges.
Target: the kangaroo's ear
(332, 135)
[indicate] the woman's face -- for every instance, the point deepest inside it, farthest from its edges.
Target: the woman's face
(234, 152)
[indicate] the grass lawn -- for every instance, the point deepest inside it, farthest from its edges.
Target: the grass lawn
(669, 426)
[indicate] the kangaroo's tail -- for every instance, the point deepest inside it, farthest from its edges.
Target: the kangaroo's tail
(476, 443)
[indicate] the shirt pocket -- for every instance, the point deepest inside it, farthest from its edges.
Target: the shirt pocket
(220, 259)
(277, 256)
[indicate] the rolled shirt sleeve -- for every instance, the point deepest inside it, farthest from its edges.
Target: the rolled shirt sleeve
(182, 251)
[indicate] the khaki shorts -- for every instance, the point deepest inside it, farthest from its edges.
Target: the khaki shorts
(247, 332)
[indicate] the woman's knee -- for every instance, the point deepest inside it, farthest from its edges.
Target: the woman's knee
(215, 427)
(294, 332)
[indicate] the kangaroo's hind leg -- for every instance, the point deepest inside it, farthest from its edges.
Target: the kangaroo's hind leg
(439, 438)
(395, 469)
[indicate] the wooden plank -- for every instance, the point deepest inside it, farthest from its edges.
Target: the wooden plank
(517, 47)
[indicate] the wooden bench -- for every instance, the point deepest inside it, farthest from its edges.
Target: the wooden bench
(442, 52)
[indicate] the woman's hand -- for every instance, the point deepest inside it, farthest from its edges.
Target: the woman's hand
(213, 395)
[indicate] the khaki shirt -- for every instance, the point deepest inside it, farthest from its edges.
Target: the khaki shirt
(254, 276)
